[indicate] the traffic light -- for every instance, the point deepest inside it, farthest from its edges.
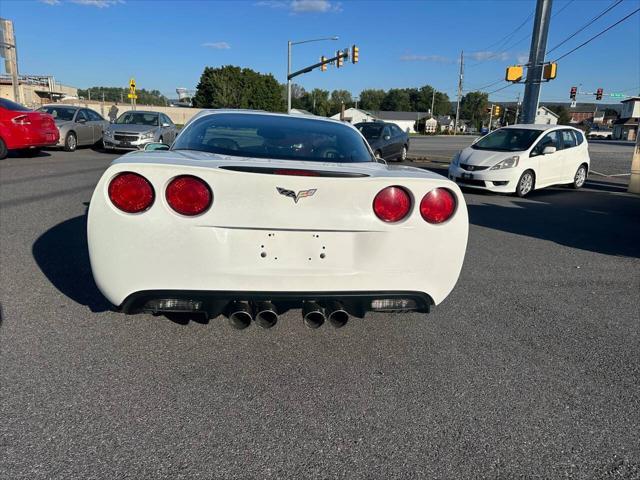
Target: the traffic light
(599, 94)
(323, 67)
(550, 71)
(514, 73)
(339, 59)
(574, 92)
(355, 54)
(497, 110)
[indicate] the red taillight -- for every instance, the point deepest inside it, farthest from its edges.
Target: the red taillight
(189, 195)
(392, 204)
(21, 120)
(299, 173)
(438, 205)
(131, 193)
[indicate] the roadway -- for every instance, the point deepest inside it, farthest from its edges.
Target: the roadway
(530, 368)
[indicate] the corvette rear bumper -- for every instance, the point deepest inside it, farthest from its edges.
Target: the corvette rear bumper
(214, 303)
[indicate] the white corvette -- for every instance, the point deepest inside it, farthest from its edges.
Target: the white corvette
(250, 214)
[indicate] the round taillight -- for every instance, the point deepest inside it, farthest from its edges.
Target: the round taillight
(189, 195)
(438, 205)
(131, 193)
(392, 204)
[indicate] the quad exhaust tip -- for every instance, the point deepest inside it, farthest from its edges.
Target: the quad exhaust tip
(337, 315)
(313, 314)
(240, 315)
(267, 315)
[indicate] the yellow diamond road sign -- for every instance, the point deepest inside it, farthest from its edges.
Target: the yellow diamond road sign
(132, 84)
(133, 95)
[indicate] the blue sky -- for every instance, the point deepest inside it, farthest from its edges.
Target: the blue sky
(166, 44)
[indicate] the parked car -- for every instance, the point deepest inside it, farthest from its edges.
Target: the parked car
(521, 158)
(386, 139)
(22, 129)
(262, 212)
(134, 129)
(78, 126)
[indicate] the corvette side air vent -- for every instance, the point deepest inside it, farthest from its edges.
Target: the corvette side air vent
(294, 172)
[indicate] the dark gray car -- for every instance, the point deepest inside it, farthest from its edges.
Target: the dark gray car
(78, 126)
(386, 139)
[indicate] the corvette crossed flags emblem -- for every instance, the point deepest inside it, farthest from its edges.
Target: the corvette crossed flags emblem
(294, 196)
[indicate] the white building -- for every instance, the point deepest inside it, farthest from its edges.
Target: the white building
(544, 116)
(626, 127)
(406, 121)
(355, 115)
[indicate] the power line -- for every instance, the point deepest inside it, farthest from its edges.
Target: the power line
(589, 23)
(597, 35)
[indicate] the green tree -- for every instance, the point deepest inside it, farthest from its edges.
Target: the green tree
(234, 87)
(119, 94)
(319, 102)
(473, 107)
(338, 97)
(371, 99)
(396, 99)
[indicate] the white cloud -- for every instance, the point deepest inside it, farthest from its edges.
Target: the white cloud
(489, 55)
(217, 45)
(522, 57)
(302, 6)
(425, 58)
(98, 3)
(51, 2)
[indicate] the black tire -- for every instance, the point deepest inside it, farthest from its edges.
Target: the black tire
(3, 149)
(526, 183)
(70, 142)
(403, 154)
(580, 177)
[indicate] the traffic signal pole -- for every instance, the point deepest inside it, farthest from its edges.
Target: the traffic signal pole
(536, 60)
(288, 76)
(634, 180)
(460, 79)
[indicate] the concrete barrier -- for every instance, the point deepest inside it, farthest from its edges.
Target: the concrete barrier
(177, 115)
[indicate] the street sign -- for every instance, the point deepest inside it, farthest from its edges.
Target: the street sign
(133, 96)
(573, 104)
(617, 95)
(132, 84)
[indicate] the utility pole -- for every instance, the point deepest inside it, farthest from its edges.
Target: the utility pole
(433, 100)
(10, 54)
(288, 79)
(517, 108)
(536, 60)
(490, 115)
(634, 180)
(455, 125)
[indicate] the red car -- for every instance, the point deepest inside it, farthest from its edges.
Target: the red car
(24, 129)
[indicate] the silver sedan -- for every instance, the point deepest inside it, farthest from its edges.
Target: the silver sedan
(134, 129)
(78, 126)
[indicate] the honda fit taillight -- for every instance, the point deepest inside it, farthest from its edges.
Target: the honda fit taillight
(21, 120)
(438, 205)
(189, 195)
(131, 193)
(392, 204)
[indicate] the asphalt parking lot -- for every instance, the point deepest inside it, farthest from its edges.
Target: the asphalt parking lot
(529, 369)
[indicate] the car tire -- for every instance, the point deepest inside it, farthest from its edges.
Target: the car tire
(525, 183)
(3, 150)
(580, 177)
(403, 153)
(70, 142)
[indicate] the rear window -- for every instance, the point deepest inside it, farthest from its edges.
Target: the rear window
(9, 105)
(272, 136)
(64, 114)
(370, 130)
(508, 140)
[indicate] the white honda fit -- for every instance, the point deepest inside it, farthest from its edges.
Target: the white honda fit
(521, 158)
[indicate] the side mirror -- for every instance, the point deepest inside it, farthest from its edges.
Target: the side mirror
(387, 137)
(81, 120)
(165, 125)
(153, 146)
(548, 150)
